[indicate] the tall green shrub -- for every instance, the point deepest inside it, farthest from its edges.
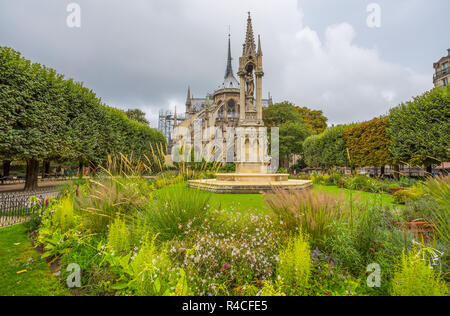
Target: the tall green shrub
(413, 277)
(118, 236)
(419, 128)
(369, 144)
(294, 265)
(327, 149)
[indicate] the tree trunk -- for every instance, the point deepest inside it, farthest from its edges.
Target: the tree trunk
(397, 172)
(80, 167)
(429, 170)
(31, 178)
(46, 168)
(6, 167)
(383, 170)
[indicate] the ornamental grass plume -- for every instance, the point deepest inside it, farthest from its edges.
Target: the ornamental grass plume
(309, 211)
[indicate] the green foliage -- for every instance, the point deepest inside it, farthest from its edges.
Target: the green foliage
(147, 272)
(101, 200)
(44, 116)
(293, 129)
(327, 149)
(206, 244)
(410, 194)
(438, 189)
(414, 277)
(294, 265)
(174, 209)
(369, 144)
(419, 128)
(292, 135)
(63, 216)
(308, 211)
(137, 115)
(329, 280)
(315, 120)
(279, 114)
(118, 237)
(18, 254)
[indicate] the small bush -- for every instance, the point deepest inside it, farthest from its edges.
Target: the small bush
(154, 274)
(309, 211)
(244, 250)
(438, 189)
(64, 216)
(413, 277)
(112, 195)
(118, 237)
(294, 266)
(176, 208)
(411, 194)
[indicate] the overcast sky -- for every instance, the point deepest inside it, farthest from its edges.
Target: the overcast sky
(319, 54)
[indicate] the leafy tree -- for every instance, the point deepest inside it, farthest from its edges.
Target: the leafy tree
(296, 124)
(292, 136)
(293, 131)
(313, 148)
(45, 117)
(137, 115)
(327, 149)
(420, 129)
(315, 120)
(281, 113)
(369, 144)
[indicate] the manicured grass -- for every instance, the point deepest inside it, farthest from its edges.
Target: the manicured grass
(255, 202)
(18, 255)
(385, 199)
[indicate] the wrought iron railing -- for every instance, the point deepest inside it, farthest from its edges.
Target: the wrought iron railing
(17, 207)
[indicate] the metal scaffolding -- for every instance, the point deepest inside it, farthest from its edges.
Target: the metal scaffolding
(166, 124)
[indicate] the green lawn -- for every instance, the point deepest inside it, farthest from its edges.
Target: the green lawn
(386, 199)
(18, 255)
(255, 202)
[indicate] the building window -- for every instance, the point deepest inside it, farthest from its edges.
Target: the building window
(445, 66)
(445, 81)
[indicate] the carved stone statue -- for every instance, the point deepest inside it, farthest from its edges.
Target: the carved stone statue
(250, 84)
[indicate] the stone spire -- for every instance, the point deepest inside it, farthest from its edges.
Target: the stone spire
(229, 71)
(249, 46)
(188, 101)
(259, 46)
(175, 120)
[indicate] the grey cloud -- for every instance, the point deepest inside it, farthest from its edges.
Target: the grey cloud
(145, 53)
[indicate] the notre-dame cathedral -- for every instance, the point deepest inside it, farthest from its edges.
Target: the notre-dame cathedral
(234, 101)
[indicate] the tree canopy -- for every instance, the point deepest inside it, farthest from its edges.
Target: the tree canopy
(369, 144)
(281, 113)
(295, 124)
(44, 116)
(327, 149)
(420, 129)
(137, 115)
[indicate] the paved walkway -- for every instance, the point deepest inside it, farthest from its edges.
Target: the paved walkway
(41, 184)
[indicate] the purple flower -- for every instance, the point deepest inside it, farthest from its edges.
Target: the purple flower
(371, 249)
(46, 203)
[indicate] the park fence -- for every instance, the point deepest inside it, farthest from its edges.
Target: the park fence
(16, 207)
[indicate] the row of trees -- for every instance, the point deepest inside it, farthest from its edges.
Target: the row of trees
(415, 132)
(45, 117)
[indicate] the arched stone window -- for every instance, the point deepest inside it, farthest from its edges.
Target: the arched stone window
(231, 109)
